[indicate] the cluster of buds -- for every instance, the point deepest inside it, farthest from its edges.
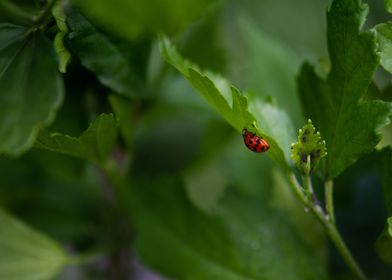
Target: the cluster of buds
(309, 149)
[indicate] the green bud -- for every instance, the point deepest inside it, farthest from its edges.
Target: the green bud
(309, 149)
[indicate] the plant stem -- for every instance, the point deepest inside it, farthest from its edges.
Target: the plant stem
(329, 200)
(337, 239)
(327, 221)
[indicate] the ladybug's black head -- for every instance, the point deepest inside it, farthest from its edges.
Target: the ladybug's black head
(244, 132)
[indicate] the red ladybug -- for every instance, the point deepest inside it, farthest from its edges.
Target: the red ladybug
(254, 142)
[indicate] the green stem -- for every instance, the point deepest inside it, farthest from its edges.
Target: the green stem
(119, 183)
(329, 200)
(337, 239)
(328, 224)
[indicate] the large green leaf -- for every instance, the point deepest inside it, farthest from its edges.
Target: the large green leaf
(246, 239)
(349, 125)
(31, 89)
(232, 105)
(99, 55)
(26, 254)
(95, 144)
(133, 19)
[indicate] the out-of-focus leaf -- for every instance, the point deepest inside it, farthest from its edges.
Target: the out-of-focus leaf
(26, 254)
(62, 52)
(16, 13)
(99, 55)
(133, 19)
(95, 144)
(271, 68)
(388, 5)
(384, 37)
(31, 89)
(350, 126)
(219, 94)
(205, 185)
(201, 44)
(245, 240)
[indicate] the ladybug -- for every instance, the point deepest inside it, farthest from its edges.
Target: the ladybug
(254, 142)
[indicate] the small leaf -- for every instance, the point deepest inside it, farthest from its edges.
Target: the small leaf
(26, 254)
(31, 89)
(99, 55)
(95, 144)
(62, 52)
(350, 125)
(309, 149)
(219, 94)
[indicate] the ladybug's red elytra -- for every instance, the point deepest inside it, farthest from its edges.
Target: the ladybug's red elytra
(254, 142)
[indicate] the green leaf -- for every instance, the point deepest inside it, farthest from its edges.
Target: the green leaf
(349, 125)
(26, 254)
(236, 243)
(95, 144)
(384, 37)
(388, 5)
(276, 124)
(133, 19)
(219, 94)
(62, 52)
(309, 148)
(31, 89)
(99, 55)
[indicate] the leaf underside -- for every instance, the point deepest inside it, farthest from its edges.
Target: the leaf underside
(232, 105)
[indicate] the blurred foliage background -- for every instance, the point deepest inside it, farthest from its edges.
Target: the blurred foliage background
(200, 205)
